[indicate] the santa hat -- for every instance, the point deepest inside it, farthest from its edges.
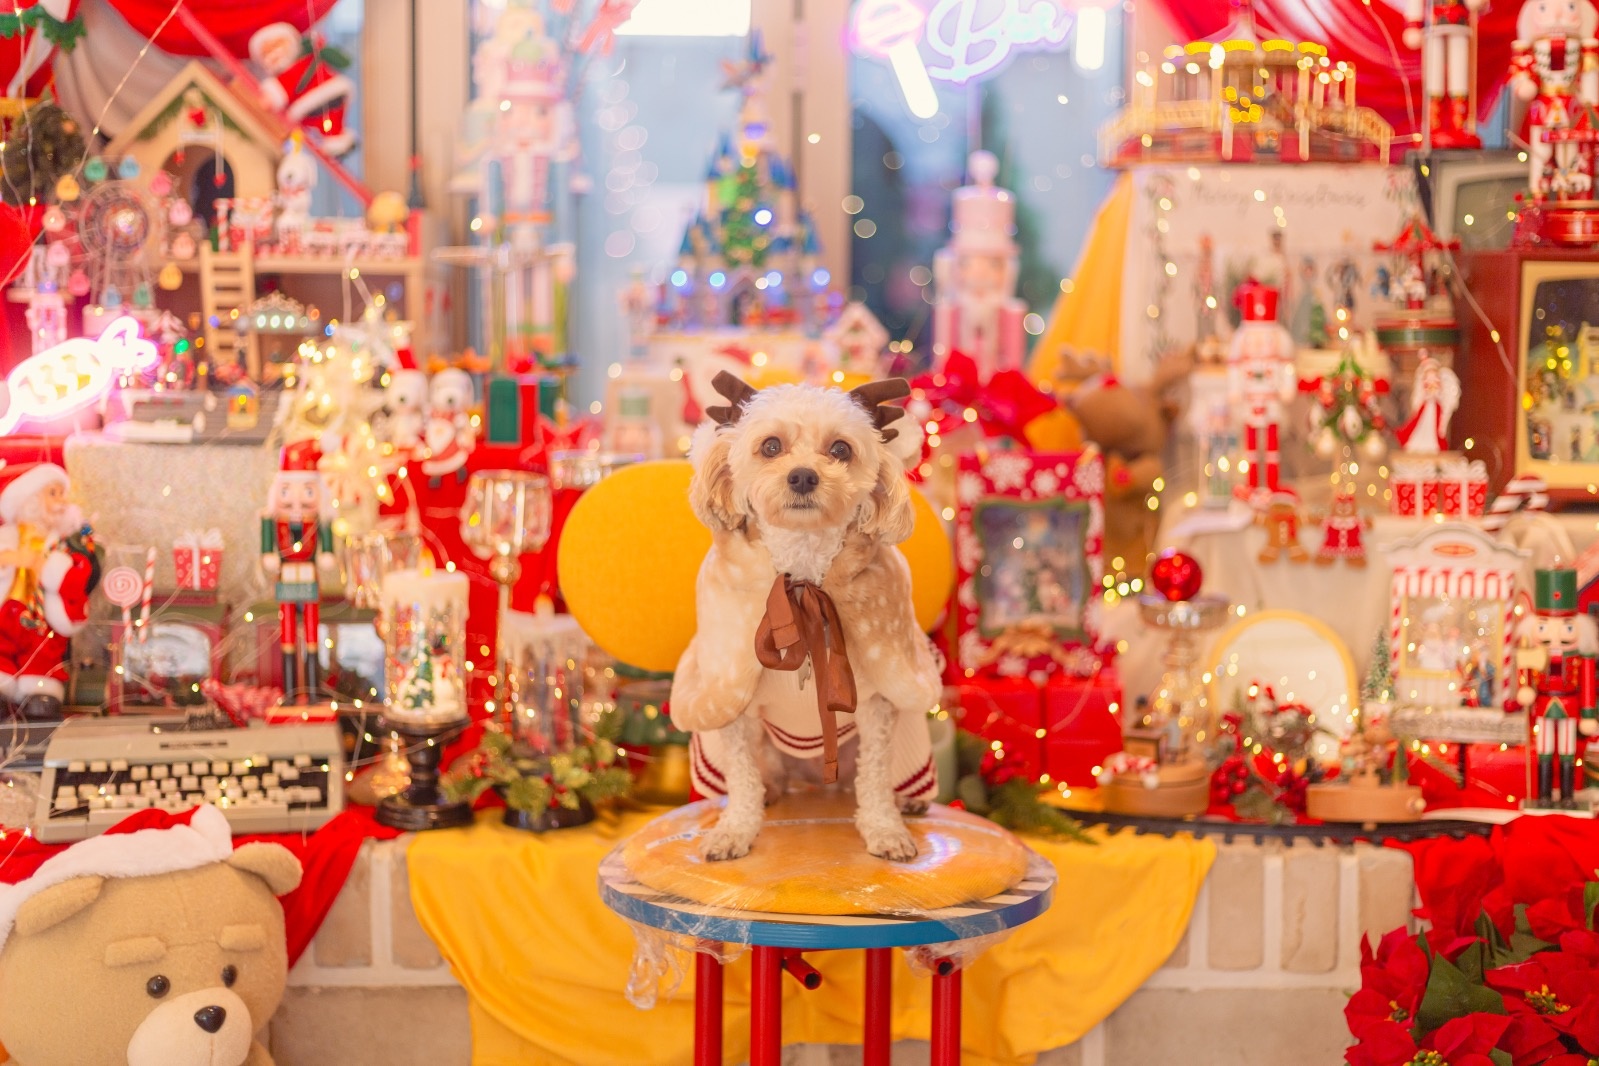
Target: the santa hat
(269, 34)
(25, 481)
(1256, 302)
(300, 457)
(146, 843)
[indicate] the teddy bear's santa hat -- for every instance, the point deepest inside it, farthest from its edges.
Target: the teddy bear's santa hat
(147, 843)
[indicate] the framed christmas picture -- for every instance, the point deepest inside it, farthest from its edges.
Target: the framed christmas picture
(1028, 533)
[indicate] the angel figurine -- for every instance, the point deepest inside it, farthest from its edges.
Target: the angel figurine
(1433, 399)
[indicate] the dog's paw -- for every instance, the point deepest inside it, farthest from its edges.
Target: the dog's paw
(895, 845)
(720, 844)
(913, 806)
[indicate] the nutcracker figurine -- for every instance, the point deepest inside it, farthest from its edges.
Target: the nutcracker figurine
(1446, 63)
(1555, 682)
(296, 542)
(1260, 380)
(1555, 67)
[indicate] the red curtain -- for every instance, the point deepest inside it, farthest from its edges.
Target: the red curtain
(233, 21)
(1354, 31)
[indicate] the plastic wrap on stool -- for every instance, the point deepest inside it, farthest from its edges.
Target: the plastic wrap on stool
(926, 960)
(661, 960)
(809, 860)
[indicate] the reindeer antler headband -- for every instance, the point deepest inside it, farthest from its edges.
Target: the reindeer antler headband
(873, 397)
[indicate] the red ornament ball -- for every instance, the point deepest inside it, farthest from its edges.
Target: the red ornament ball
(1176, 575)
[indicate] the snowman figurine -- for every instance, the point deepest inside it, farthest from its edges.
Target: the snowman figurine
(448, 437)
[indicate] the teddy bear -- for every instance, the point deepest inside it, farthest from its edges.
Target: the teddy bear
(1130, 425)
(159, 946)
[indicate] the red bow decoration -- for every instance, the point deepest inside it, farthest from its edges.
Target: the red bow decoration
(1005, 404)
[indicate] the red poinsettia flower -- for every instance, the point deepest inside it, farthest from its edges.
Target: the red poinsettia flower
(1466, 1041)
(1530, 1039)
(1570, 1060)
(1560, 989)
(1557, 915)
(1392, 981)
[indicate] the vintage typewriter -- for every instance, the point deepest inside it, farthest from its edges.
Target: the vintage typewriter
(281, 779)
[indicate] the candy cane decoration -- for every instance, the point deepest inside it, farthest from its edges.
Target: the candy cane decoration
(146, 594)
(122, 589)
(1519, 494)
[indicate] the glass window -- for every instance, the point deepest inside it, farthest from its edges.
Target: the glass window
(1040, 116)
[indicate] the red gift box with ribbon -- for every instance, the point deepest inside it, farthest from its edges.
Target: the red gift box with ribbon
(1082, 725)
(197, 559)
(1432, 495)
(1010, 711)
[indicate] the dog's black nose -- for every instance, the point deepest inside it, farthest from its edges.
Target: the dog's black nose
(803, 480)
(210, 1018)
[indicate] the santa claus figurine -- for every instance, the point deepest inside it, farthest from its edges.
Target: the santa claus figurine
(1260, 381)
(297, 542)
(48, 566)
(304, 82)
(1446, 66)
(1433, 399)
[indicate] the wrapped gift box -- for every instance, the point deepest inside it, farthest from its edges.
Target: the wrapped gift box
(1082, 725)
(1414, 485)
(1432, 495)
(197, 559)
(513, 404)
(1009, 710)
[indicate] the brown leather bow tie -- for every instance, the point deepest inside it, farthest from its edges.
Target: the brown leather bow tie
(801, 622)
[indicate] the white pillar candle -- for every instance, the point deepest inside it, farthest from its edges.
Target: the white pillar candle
(424, 623)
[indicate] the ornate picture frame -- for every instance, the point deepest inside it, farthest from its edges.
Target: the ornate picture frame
(1029, 530)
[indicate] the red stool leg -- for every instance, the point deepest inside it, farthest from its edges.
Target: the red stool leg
(707, 1009)
(766, 1007)
(879, 1005)
(946, 1014)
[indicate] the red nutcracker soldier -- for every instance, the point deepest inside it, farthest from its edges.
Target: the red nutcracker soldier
(48, 567)
(1260, 380)
(297, 541)
(1555, 679)
(1446, 63)
(1555, 66)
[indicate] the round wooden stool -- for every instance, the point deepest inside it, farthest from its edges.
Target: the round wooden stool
(779, 941)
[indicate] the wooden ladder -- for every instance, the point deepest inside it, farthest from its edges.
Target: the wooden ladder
(227, 288)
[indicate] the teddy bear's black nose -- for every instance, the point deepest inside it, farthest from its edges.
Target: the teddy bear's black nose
(210, 1018)
(803, 480)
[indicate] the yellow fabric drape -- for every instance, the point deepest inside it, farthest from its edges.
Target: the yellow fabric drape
(1088, 318)
(519, 918)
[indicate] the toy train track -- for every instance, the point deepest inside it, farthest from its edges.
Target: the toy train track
(1314, 835)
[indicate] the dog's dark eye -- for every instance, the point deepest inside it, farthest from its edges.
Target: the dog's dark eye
(230, 974)
(157, 986)
(771, 447)
(841, 451)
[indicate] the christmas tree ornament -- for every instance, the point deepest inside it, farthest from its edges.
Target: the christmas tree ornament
(170, 278)
(127, 168)
(1176, 575)
(55, 220)
(67, 189)
(95, 169)
(78, 283)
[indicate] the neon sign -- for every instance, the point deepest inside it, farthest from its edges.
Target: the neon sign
(973, 38)
(73, 374)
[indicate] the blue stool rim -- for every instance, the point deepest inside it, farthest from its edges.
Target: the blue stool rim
(672, 914)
